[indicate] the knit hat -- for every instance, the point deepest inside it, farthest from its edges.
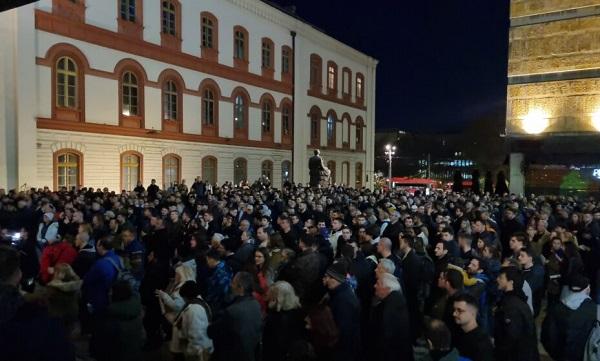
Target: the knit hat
(578, 283)
(337, 271)
(218, 237)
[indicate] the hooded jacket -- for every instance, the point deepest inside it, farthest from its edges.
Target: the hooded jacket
(53, 254)
(27, 333)
(515, 333)
(567, 326)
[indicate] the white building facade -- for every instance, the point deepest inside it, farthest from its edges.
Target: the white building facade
(106, 93)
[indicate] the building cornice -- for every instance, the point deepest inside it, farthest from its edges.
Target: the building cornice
(279, 17)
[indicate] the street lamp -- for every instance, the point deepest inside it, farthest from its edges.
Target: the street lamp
(390, 150)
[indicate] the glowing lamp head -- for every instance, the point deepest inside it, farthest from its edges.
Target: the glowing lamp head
(596, 120)
(535, 122)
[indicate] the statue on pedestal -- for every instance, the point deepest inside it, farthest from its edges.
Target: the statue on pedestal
(319, 173)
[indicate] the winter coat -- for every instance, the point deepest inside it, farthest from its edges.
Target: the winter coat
(192, 325)
(118, 335)
(391, 330)
(27, 333)
(53, 254)
(567, 326)
(282, 329)
(218, 286)
(63, 299)
(475, 345)
(86, 257)
(515, 333)
(236, 334)
(98, 282)
(346, 314)
(304, 276)
(535, 277)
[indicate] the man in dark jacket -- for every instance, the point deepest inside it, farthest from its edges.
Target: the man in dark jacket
(510, 226)
(391, 327)
(515, 333)
(471, 340)
(411, 269)
(236, 334)
(304, 273)
(568, 324)
(346, 312)
(26, 331)
(533, 273)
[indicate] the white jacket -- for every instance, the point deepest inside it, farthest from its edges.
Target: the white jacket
(194, 323)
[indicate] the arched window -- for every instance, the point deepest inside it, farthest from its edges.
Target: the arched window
(130, 94)
(332, 175)
(209, 170)
(316, 65)
(171, 170)
(287, 126)
(346, 83)
(169, 18)
(360, 88)
(67, 83)
(330, 130)
(67, 169)
(267, 169)
(346, 131)
(240, 48)
(315, 128)
(241, 101)
(128, 10)
(346, 173)
(359, 134)
(131, 170)
(208, 107)
(170, 100)
(267, 112)
(210, 36)
(331, 77)
(359, 175)
(286, 172)
(240, 170)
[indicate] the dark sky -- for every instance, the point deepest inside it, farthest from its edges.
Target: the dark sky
(442, 64)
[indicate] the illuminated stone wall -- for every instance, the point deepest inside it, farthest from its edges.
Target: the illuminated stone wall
(554, 65)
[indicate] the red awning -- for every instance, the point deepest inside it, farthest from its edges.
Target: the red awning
(413, 181)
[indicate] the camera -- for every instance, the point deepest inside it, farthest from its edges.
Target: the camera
(15, 238)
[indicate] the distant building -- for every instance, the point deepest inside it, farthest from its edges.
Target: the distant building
(553, 100)
(435, 156)
(106, 93)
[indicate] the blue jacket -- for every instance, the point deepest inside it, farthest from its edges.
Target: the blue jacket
(346, 313)
(98, 282)
(218, 286)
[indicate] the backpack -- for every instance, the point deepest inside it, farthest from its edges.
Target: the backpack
(592, 346)
(426, 275)
(325, 333)
(125, 275)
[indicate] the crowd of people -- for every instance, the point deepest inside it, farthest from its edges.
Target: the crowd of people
(256, 273)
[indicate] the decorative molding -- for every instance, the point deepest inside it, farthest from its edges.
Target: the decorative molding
(169, 150)
(131, 147)
(55, 147)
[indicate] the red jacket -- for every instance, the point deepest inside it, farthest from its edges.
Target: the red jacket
(59, 252)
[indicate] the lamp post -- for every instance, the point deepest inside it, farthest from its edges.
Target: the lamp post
(390, 150)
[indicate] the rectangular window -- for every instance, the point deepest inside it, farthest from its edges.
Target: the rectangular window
(285, 61)
(239, 45)
(266, 54)
(314, 130)
(359, 87)
(207, 33)
(285, 121)
(331, 77)
(128, 10)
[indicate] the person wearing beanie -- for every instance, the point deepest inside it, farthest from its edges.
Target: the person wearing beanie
(568, 323)
(346, 312)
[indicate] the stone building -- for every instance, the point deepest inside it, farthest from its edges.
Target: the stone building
(553, 95)
(108, 93)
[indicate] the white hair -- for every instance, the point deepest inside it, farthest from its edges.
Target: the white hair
(386, 242)
(282, 297)
(391, 282)
(388, 265)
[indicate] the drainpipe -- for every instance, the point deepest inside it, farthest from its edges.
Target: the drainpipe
(293, 34)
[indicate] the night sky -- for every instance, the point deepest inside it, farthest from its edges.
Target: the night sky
(442, 64)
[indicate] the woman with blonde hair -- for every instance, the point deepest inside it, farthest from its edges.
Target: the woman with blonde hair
(284, 324)
(171, 303)
(62, 294)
